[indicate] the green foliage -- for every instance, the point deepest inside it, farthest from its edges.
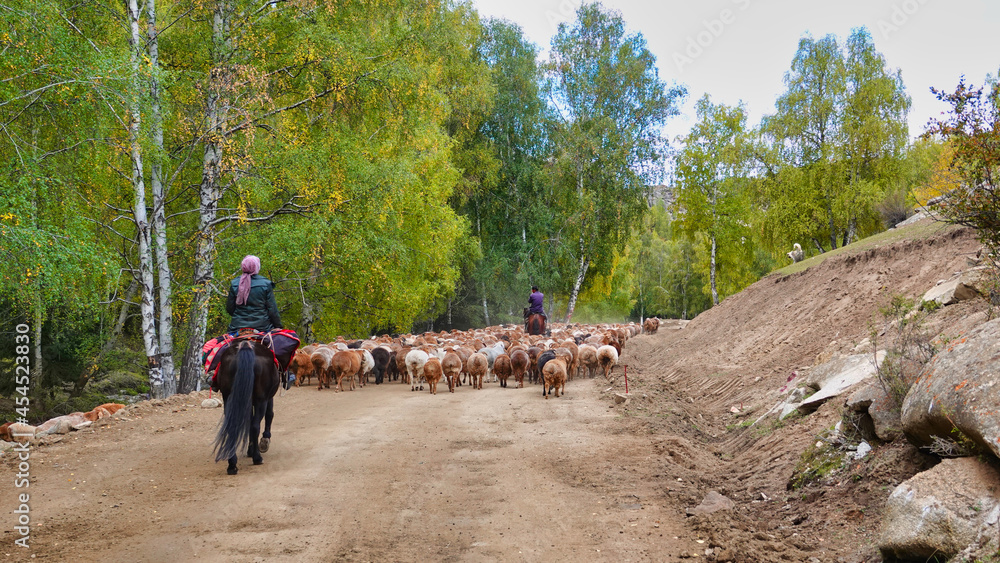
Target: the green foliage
(610, 106)
(713, 195)
(815, 464)
(502, 193)
(667, 282)
(838, 138)
(973, 131)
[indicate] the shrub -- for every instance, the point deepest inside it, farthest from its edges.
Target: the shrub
(908, 348)
(973, 130)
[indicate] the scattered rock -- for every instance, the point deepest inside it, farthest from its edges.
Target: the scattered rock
(959, 389)
(872, 401)
(829, 379)
(864, 448)
(211, 403)
(959, 288)
(837, 376)
(939, 512)
(9, 429)
(622, 398)
(54, 426)
(912, 219)
(713, 502)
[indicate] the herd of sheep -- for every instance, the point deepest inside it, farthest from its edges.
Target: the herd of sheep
(469, 357)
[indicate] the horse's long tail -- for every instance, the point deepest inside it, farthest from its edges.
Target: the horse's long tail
(234, 432)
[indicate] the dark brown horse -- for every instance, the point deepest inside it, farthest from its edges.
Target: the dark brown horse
(248, 380)
(536, 324)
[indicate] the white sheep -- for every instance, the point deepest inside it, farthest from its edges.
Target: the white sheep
(796, 254)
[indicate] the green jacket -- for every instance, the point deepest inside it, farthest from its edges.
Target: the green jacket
(260, 310)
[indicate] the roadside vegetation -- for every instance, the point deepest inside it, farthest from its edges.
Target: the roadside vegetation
(403, 166)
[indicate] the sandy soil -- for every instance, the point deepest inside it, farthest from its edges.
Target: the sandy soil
(383, 474)
(380, 474)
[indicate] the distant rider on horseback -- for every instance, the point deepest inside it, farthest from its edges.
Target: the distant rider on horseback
(535, 301)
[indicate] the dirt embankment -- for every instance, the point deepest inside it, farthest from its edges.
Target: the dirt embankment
(383, 474)
(707, 384)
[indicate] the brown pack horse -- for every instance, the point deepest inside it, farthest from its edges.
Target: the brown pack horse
(536, 324)
(248, 380)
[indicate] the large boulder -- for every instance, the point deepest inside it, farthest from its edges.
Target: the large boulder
(961, 287)
(959, 389)
(838, 375)
(64, 424)
(871, 400)
(940, 512)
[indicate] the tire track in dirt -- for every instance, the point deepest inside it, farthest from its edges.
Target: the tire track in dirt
(380, 474)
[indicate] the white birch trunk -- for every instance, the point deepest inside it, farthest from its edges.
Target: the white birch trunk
(711, 274)
(581, 272)
(159, 209)
(210, 193)
(147, 310)
(577, 283)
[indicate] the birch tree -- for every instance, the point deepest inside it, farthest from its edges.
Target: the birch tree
(839, 133)
(712, 170)
(611, 105)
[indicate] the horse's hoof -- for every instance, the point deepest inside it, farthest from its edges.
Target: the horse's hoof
(258, 460)
(232, 470)
(263, 445)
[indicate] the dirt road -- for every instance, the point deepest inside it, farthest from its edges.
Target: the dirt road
(379, 474)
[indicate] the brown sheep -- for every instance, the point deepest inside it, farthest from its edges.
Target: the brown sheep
(554, 374)
(401, 364)
(519, 361)
(345, 364)
(452, 367)
(533, 374)
(572, 365)
(478, 364)
(432, 373)
(502, 368)
(301, 365)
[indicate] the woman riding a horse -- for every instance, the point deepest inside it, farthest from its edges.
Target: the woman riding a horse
(248, 376)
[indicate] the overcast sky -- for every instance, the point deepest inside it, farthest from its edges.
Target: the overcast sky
(740, 49)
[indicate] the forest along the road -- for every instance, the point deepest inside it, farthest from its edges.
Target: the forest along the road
(377, 474)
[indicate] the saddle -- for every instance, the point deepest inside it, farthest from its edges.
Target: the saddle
(281, 342)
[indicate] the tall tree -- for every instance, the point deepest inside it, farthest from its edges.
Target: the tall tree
(806, 128)
(506, 201)
(839, 133)
(712, 170)
(611, 106)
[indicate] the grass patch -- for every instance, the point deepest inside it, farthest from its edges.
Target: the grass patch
(739, 425)
(815, 464)
(918, 231)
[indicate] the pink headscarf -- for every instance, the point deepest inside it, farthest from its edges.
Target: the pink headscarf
(250, 265)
